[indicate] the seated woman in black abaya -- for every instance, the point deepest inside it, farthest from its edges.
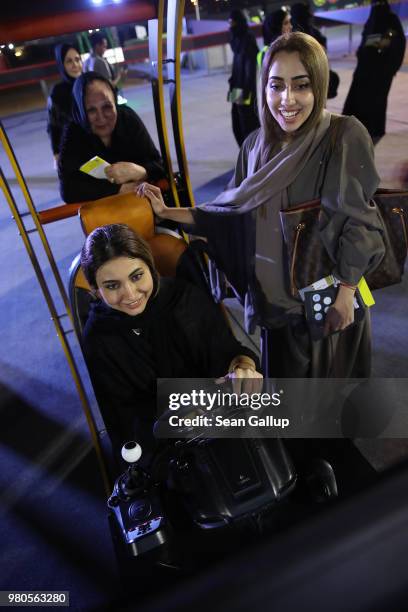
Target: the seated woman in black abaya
(143, 328)
(115, 134)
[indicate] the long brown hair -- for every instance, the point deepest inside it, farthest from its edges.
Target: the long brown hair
(314, 59)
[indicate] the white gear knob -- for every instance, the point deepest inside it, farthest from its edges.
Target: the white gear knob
(131, 452)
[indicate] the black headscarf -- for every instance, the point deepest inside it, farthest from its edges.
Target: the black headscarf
(272, 26)
(379, 19)
(301, 17)
(302, 21)
(79, 114)
(60, 52)
(240, 26)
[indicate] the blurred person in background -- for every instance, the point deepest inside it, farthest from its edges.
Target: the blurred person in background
(96, 62)
(275, 24)
(302, 21)
(379, 57)
(242, 83)
(59, 105)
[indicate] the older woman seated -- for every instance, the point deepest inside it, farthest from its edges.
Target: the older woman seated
(143, 328)
(114, 133)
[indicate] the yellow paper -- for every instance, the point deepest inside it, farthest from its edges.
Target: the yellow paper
(95, 167)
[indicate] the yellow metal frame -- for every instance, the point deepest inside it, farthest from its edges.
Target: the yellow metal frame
(156, 33)
(56, 318)
(175, 12)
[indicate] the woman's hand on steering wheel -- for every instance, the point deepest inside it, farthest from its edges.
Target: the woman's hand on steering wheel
(154, 195)
(243, 375)
(246, 380)
(341, 314)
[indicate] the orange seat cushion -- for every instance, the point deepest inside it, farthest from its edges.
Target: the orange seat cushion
(125, 208)
(136, 212)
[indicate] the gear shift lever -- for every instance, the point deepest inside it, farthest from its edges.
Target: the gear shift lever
(131, 452)
(135, 505)
(135, 479)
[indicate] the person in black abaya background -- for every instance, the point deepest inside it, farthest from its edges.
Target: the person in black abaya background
(302, 21)
(379, 58)
(59, 105)
(275, 24)
(242, 83)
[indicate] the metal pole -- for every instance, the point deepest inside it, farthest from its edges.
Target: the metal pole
(175, 9)
(155, 28)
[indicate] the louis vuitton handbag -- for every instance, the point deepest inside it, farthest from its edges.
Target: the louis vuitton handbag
(308, 259)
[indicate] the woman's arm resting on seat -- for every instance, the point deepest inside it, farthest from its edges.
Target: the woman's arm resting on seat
(76, 186)
(124, 172)
(153, 194)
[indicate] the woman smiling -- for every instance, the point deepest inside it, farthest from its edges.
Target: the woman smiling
(141, 328)
(114, 133)
(301, 153)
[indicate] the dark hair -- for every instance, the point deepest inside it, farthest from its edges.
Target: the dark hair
(313, 57)
(97, 38)
(272, 26)
(112, 241)
(239, 17)
(301, 16)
